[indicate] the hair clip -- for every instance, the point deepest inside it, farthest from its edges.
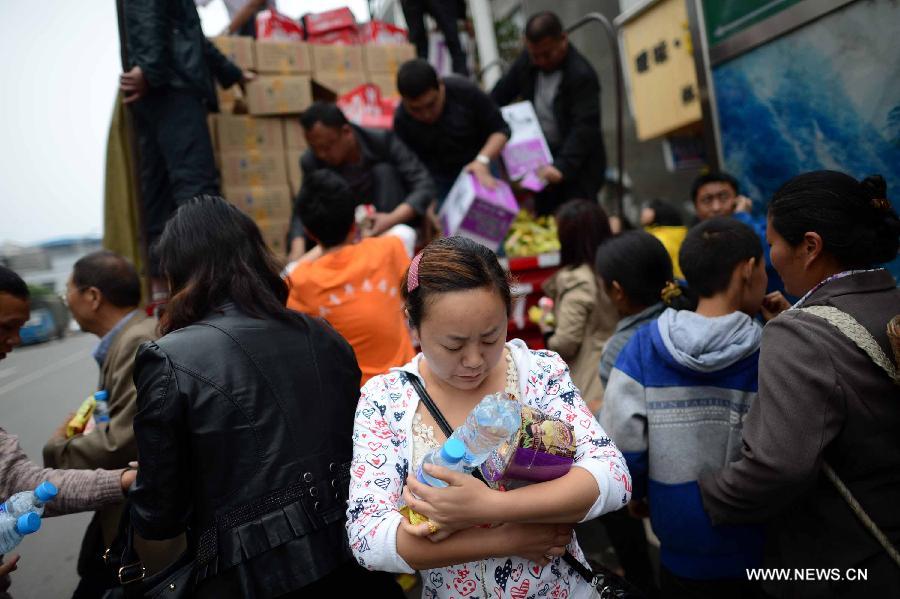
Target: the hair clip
(670, 292)
(412, 276)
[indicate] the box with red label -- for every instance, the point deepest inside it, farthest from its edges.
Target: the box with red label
(364, 106)
(387, 58)
(481, 214)
(323, 22)
(338, 37)
(279, 94)
(272, 25)
(379, 32)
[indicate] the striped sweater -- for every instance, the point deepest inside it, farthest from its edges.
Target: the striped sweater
(674, 405)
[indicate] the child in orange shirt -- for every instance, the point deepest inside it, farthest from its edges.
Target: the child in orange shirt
(352, 284)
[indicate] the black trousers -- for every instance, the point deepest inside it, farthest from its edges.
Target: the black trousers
(176, 156)
(445, 13)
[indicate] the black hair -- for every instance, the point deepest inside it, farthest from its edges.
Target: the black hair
(453, 264)
(711, 251)
(543, 25)
(212, 253)
(639, 262)
(665, 214)
(326, 113)
(112, 274)
(714, 177)
(582, 226)
(416, 77)
(326, 206)
(12, 283)
(857, 224)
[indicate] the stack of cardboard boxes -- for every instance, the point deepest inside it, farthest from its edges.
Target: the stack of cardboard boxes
(259, 153)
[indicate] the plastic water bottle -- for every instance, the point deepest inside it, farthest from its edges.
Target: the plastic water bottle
(490, 424)
(29, 501)
(13, 530)
(450, 456)
(101, 407)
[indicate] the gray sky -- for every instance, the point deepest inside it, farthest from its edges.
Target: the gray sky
(59, 72)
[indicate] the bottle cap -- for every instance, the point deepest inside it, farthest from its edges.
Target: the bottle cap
(453, 450)
(46, 491)
(102, 395)
(28, 523)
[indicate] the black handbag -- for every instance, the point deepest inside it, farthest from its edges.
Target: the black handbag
(175, 581)
(606, 583)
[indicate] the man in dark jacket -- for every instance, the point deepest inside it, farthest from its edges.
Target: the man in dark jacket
(379, 168)
(449, 123)
(170, 86)
(565, 91)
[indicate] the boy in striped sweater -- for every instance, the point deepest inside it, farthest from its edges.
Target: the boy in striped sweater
(675, 403)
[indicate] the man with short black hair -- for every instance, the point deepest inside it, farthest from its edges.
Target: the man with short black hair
(103, 294)
(377, 166)
(565, 91)
(353, 283)
(716, 194)
(449, 123)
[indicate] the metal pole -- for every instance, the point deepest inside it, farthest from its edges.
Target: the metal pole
(611, 37)
(486, 40)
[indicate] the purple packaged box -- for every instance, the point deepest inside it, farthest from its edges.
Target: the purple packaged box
(483, 215)
(524, 157)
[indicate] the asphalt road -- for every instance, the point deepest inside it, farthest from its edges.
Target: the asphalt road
(39, 386)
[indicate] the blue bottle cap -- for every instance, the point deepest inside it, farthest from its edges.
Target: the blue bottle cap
(28, 523)
(46, 491)
(453, 450)
(102, 395)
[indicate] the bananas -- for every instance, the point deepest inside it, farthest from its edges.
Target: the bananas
(530, 236)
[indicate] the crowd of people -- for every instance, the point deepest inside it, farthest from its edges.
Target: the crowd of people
(266, 430)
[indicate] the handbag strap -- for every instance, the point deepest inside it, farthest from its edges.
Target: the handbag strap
(850, 328)
(435, 412)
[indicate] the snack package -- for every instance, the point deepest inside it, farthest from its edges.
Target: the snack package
(543, 449)
(81, 418)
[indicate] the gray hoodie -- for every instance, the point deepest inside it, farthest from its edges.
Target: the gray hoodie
(708, 344)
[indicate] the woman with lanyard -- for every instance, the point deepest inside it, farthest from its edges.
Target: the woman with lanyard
(821, 455)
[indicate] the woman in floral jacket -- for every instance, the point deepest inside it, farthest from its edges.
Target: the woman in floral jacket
(457, 301)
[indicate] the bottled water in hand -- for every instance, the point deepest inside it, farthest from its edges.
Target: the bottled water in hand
(488, 426)
(450, 456)
(13, 530)
(101, 407)
(29, 501)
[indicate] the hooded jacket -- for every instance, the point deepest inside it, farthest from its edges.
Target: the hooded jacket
(675, 405)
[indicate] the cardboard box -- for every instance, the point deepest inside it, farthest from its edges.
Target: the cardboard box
(294, 173)
(348, 36)
(227, 98)
(253, 168)
(238, 49)
(279, 94)
(527, 149)
(387, 58)
(386, 82)
(340, 84)
(241, 133)
(331, 60)
(283, 57)
(380, 32)
(329, 20)
(262, 203)
(481, 214)
(294, 139)
(274, 233)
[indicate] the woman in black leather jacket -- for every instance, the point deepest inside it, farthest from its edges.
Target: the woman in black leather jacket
(244, 423)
